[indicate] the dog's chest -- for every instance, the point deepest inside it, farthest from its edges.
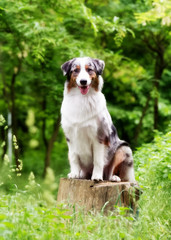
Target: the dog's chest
(80, 122)
(81, 143)
(81, 138)
(78, 109)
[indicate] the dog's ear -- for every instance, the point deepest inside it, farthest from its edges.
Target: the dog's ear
(66, 67)
(99, 65)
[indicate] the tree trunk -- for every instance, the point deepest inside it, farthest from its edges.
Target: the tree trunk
(6, 98)
(157, 47)
(138, 128)
(50, 144)
(159, 67)
(14, 114)
(102, 196)
(156, 111)
(4, 139)
(44, 124)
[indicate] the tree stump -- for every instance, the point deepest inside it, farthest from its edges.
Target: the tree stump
(97, 196)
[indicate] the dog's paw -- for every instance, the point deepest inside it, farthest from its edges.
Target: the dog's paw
(115, 178)
(96, 177)
(73, 175)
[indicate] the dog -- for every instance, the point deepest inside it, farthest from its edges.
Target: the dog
(95, 150)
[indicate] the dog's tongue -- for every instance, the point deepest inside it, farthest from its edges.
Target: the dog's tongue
(84, 90)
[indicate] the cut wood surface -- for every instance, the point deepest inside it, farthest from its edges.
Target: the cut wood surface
(90, 195)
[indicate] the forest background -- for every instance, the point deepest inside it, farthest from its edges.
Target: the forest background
(133, 37)
(37, 37)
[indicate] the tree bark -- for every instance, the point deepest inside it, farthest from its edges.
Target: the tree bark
(156, 111)
(159, 67)
(44, 124)
(157, 47)
(6, 97)
(4, 139)
(13, 115)
(13, 109)
(138, 128)
(88, 195)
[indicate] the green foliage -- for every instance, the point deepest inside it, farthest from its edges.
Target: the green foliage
(30, 211)
(157, 161)
(32, 220)
(160, 11)
(36, 37)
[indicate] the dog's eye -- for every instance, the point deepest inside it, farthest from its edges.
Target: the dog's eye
(76, 70)
(89, 70)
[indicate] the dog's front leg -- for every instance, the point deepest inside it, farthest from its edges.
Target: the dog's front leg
(98, 161)
(74, 165)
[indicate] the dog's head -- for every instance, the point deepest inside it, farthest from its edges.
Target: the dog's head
(84, 73)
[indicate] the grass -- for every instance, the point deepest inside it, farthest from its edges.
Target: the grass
(30, 212)
(27, 217)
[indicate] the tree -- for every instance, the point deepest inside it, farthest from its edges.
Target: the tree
(156, 27)
(150, 49)
(36, 37)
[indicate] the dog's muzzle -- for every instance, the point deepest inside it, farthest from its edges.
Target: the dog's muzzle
(84, 88)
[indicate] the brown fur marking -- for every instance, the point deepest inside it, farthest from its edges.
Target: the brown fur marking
(72, 82)
(121, 163)
(92, 74)
(95, 82)
(93, 77)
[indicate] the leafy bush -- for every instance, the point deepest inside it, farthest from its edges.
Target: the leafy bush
(153, 162)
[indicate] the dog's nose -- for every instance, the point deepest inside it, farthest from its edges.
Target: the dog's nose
(83, 82)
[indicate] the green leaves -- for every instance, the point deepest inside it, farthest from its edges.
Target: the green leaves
(37, 37)
(2, 120)
(25, 218)
(156, 160)
(160, 10)
(26, 214)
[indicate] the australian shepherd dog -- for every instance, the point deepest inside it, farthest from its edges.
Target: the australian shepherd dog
(95, 150)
